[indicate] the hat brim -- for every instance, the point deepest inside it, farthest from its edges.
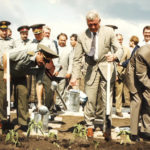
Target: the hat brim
(49, 53)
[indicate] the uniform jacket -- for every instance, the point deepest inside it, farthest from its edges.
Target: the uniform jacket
(138, 70)
(106, 41)
(21, 43)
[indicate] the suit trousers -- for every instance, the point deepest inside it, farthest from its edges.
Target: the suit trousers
(118, 95)
(61, 89)
(96, 104)
(140, 106)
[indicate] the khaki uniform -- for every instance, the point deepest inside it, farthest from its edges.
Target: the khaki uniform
(119, 84)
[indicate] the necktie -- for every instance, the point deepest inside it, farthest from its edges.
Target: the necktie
(93, 44)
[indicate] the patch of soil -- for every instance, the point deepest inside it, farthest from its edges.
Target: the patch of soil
(67, 141)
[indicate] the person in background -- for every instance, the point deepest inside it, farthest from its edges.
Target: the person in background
(63, 72)
(95, 43)
(133, 43)
(119, 84)
(146, 34)
(9, 33)
(23, 40)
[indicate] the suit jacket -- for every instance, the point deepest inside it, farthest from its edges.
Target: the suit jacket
(106, 41)
(125, 63)
(120, 68)
(138, 70)
(65, 61)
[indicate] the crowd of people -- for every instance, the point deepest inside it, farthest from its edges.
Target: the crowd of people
(34, 64)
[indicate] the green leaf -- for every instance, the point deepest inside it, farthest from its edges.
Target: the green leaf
(7, 137)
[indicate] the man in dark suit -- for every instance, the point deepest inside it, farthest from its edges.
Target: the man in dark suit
(138, 82)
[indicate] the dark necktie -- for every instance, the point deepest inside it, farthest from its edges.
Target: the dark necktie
(93, 45)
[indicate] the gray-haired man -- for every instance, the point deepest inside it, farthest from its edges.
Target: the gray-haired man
(96, 58)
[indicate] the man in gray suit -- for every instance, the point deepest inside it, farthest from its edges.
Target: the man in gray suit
(63, 72)
(138, 82)
(96, 59)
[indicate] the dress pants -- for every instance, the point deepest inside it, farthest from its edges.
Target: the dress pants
(140, 106)
(118, 95)
(96, 106)
(61, 89)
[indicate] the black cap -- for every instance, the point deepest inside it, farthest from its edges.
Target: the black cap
(4, 24)
(47, 51)
(37, 28)
(23, 28)
(112, 26)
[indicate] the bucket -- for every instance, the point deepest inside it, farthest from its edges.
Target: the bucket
(73, 100)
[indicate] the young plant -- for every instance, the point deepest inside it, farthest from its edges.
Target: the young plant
(80, 131)
(12, 137)
(52, 135)
(96, 144)
(37, 126)
(125, 137)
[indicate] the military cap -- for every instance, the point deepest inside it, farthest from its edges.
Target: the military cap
(37, 28)
(47, 51)
(4, 24)
(24, 28)
(112, 26)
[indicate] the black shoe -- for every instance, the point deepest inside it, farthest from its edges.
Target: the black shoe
(145, 135)
(134, 138)
(23, 128)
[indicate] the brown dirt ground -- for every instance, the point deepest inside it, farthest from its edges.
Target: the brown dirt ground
(66, 140)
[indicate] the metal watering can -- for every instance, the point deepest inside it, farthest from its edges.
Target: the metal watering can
(43, 116)
(75, 98)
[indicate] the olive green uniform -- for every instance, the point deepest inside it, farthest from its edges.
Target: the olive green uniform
(5, 45)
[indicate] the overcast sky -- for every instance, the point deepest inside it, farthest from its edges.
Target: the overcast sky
(68, 16)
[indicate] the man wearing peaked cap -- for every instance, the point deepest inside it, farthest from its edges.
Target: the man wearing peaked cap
(23, 41)
(6, 44)
(39, 38)
(47, 51)
(37, 28)
(4, 24)
(29, 62)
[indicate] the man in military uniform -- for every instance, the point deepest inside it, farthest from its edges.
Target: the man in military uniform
(23, 41)
(39, 38)
(6, 43)
(23, 62)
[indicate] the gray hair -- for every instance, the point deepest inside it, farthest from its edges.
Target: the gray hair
(46, 27)
(91, 15)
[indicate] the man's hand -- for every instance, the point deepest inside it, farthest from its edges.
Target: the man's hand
(110, 57)
(68, 76)
(56, 73)
(5, 77)
(73, 82)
